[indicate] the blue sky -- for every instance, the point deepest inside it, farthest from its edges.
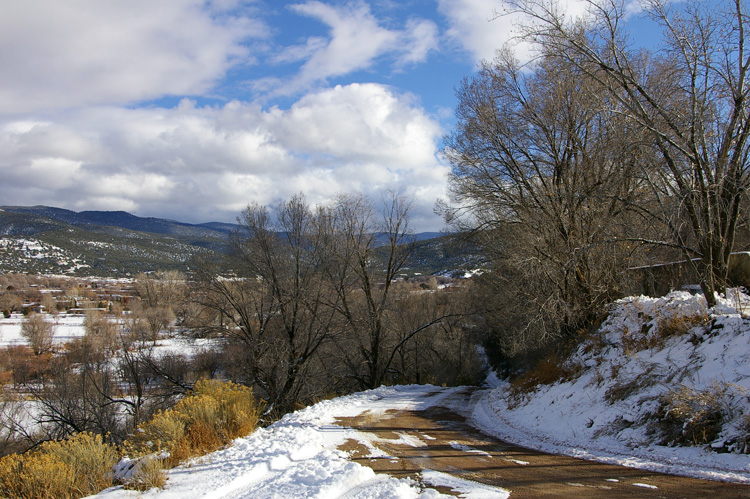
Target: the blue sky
(191, 109)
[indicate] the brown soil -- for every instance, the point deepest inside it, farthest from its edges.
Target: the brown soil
(441, 440)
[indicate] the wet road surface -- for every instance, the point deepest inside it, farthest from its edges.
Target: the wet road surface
(439, 439)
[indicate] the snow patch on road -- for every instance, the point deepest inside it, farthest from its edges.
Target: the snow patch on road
(466, 488)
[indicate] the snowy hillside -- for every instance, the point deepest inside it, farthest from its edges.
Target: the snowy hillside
(621, 405)
(21, 254)
(657, 369)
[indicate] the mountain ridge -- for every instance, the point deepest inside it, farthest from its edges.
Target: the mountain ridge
(49, 240)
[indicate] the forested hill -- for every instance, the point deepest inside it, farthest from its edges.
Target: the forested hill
(43, 239)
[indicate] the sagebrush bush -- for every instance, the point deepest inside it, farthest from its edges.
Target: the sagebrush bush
(90, 458)
(76, 467)
(235, 413)
(41, 476)
(212, 415)
(165, 432)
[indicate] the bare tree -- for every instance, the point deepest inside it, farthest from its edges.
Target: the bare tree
(38, 332)
(165, 288)
(100, 332)
(366, 250)
(275, 309)
(542, 170)
(9, 302)
(690, 97)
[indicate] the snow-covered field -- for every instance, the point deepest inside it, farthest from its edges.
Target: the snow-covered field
(66, 327)
(70, 326)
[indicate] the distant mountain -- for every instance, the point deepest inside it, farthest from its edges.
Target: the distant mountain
(125, 220)
(43, 239)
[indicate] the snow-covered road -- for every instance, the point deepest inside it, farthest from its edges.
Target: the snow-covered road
(308, 455)
(298, 457)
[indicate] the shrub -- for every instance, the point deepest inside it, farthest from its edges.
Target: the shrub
(164, 433)
(23, 364)
(212, 415)
(237, 411)
(90, 459)
(694, 417)
(41, 476)
(71, 468)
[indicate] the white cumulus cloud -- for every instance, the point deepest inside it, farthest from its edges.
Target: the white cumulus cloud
(357, 39)
(60, 54)
(480, 27)
(197, 164)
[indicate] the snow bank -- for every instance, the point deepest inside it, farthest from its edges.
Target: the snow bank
(607, 413)
(298, 457)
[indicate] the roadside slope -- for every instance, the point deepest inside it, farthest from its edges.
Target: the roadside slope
(659, 372)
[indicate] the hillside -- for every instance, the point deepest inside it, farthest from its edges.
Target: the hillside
(35, 244)
(98, 219)
(46, 240)
(664, 381)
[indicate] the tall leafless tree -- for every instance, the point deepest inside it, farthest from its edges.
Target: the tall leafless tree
(275, 308)
(38, 332)
(690, 96)
(367, 248)
(542, 169)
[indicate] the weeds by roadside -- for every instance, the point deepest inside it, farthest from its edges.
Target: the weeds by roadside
(688, 416)
(76, 467)
(211, 416)
(549, 370)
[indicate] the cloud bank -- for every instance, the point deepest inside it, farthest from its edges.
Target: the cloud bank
(58, 55)
(191, 109)
(202, 163)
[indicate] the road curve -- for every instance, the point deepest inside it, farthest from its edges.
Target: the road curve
(439, 439)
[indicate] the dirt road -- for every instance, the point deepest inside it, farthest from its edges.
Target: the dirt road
(441, 440)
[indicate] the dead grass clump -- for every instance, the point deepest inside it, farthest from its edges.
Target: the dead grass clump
(547, 371)
(744, 437)
(694, 417)
(680, 325)
(621, 390)
(633, 343)
(150, 474)
(653, 335)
